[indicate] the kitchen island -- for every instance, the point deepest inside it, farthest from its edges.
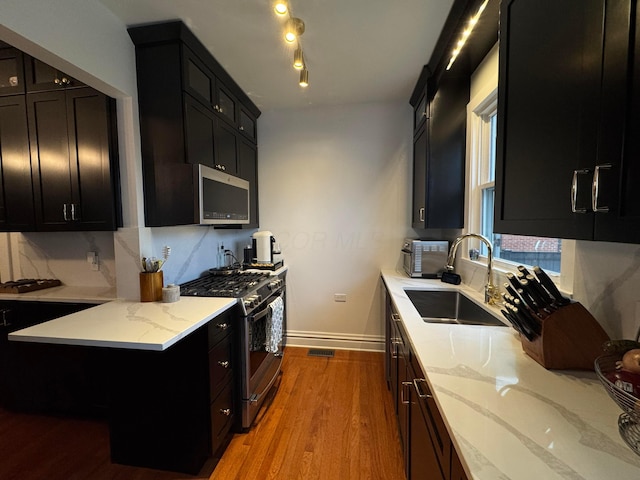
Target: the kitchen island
(507, 416)
(151, 368)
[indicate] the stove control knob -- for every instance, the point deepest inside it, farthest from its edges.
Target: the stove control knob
(252, 301)
(275, 284)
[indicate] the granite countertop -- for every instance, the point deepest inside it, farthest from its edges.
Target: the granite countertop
(126, 324)
(509, 417)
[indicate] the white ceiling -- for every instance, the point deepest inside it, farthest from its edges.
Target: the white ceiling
(356, 50)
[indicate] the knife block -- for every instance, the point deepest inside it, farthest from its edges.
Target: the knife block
(571, 339)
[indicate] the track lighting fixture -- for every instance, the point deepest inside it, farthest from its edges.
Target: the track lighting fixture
(280, 7)
(293, 28)
(304, 77)
(298, 59)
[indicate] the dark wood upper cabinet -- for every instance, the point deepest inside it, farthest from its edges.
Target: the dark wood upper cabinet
(73, 160)
(16, 193)
(439, 102)
(11, 71)
(41, 77)
(191, 112)
(566, 156)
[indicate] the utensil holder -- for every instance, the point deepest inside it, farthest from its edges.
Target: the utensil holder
(571, 339)
(151, 284)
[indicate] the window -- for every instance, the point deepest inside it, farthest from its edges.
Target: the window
(518, 249)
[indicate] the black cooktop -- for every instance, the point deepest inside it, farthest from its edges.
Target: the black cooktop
(236, 285)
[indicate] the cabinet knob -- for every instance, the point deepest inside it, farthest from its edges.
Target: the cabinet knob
(223, 363)
(62, 82)
(222, 326)
(241, 128)
(225, 411)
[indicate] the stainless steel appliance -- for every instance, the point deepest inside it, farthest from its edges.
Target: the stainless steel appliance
(256, 292)
(223, 199)
(424, 258)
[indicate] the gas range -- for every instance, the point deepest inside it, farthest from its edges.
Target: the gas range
(249, 287)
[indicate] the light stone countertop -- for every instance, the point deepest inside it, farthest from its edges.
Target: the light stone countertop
(65, 293)
(509, 417)
(126, 324)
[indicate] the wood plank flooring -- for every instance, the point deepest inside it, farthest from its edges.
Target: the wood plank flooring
(331, 418)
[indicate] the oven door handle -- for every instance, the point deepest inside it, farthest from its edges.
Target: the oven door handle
(262, 313)
(257, 396)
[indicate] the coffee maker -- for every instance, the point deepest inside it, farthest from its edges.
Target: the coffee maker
(263, 243)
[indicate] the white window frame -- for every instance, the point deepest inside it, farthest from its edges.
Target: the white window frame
(480, 108)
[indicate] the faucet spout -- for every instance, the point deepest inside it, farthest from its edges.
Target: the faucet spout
(490, 290)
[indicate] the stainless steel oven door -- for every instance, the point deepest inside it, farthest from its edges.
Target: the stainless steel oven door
(260, 368)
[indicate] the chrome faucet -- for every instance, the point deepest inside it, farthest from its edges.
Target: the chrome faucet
(491, 292)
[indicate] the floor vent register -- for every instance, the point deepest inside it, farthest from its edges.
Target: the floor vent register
(320, 352)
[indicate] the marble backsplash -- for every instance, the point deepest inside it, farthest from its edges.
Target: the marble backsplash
(63, 255)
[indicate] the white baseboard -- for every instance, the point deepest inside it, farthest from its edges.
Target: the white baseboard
(369, 343)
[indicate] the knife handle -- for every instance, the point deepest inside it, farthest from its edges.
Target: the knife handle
(550, 286)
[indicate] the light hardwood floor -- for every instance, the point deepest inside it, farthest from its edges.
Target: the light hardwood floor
(331, 419)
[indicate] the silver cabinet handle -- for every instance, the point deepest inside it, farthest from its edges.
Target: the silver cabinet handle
(222, 326)
(422, 214)
(595, 189)
(225, 411)
(574, 190)
(64, 213)
(404, 385)
(241, 128)
(419, 391)
(73, 211)
(395, 317)
(224, 364)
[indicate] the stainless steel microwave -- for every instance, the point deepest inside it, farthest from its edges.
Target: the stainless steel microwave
(424, 258)
(223, 198)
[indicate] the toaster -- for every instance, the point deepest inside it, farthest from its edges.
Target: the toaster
(425, 258)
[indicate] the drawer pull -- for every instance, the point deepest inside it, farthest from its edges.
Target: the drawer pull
(222, 326)
(419, 391)
(225, 411)
(223, 363)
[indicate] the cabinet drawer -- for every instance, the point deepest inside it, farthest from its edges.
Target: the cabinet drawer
(220, 366)
(222, 414)
(219, 327)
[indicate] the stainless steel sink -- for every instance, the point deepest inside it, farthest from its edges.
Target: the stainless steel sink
(453, 307)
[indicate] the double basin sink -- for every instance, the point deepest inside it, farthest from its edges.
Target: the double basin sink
(450, 307)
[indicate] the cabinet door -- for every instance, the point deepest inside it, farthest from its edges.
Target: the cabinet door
(11, 71)
(50, 158)
(457, 470)
(93, 160)
(548, 102)
(198, 80)
(618, 218)
(199, 133)
(423, 460)
(247, 124)
(227, 105)
(41, 77)
(248, 170)
(16, 193)
(71, 155)
(419, 179)
(226, 148)
(446, 154)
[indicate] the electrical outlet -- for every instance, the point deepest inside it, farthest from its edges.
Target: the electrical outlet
(339, 297)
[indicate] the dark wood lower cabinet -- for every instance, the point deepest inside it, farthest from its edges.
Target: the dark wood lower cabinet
(167, 410)
(427, 448)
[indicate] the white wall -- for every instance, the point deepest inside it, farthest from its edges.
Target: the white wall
(334, 190)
